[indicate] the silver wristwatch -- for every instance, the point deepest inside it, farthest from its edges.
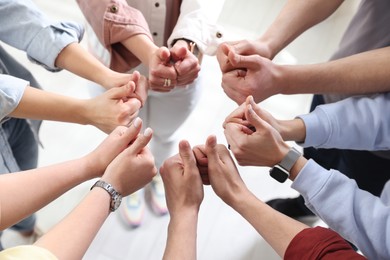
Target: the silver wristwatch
(116, 197)
(281, 171)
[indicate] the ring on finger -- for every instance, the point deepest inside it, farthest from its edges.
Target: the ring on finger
(167, 82)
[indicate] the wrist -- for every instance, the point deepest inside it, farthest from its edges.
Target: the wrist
(297, 167)
(292, 130)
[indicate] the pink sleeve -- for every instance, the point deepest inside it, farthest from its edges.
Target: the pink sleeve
(114, 21)
(320, 243)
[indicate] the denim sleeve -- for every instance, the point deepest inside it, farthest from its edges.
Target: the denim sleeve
(11, 92)
(26, 28)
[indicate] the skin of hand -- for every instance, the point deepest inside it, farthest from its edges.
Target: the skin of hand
(264, 147)
(277, 229)
(182, 182)
(26, 187)
(258, 77)
(290, 130)
(109, 109)
(134, 167)
(160, 68)
(242, 47)
(186, 64)
(184, 194)
(222, 171)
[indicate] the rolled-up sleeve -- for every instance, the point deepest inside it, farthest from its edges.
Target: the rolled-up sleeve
(193, 24)
(114, 21)
(25, 27)
(11, 92)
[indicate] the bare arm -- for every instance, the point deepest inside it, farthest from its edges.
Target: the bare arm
(77, 60)
(295, 18)
(129, 171)
(357, 74)
(277, 229)
(35, 188)
(184, 193)
(112, 108)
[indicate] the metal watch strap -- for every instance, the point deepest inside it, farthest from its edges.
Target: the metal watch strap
(290, 159)
(116, 197)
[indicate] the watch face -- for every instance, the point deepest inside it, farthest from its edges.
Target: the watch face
(278, 174)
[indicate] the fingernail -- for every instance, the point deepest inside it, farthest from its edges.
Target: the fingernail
(137, 122)
(148, 132)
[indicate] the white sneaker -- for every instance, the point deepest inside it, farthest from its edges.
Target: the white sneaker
(156, 194)
(132, 209)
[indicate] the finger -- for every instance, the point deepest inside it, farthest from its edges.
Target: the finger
(123, 91)
(164, 55)
(142, 141)
(211, 149)
(254, 119)
(245, 62)
(136, 76)
(179, 53)
(200, 155)
(187, 156)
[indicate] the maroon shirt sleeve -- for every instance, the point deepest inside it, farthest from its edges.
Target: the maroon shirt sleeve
(320, 243)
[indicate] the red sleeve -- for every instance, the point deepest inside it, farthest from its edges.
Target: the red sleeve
(320, 243)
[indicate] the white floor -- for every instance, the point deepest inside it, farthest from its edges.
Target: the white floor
(222, 233)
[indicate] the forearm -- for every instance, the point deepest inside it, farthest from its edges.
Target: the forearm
(31, 190)
(292, 130)
(77, 60)
(71, 238)
(39, 104)
(181, 241)
(358, 74)
(295, 18)
(277, 229)
(141, 46)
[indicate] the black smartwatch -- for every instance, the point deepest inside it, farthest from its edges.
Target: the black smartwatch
(281, 171)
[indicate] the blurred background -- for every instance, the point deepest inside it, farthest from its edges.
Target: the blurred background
(222, 233)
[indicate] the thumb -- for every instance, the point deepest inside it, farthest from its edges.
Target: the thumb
(211, 149)
(164, 54)
(254, 118)
(225, 48)
(136, 76)
(241, 61)
(180, 53)
(187, 155)
(141, 141)
(122, 92)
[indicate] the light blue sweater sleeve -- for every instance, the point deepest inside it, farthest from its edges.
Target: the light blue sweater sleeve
(11, 92)
(357, 215)
(359, 123)
(25, 27)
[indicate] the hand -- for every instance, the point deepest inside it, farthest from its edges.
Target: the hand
(134, 167)
(141, 87)
(117, 141)
(257, 76)
(243, 47)
(223, 174)
(160, 70)
(182, 182)
(202, 163)
(109, 110)
(238, 116)
(264, 147)
(186, 64)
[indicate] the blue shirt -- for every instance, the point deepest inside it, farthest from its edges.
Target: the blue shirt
(360, 217)
(25, 27)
